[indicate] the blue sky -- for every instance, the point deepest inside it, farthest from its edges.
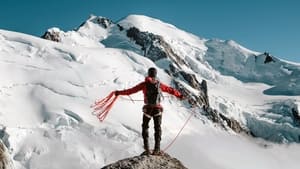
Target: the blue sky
(260, 25)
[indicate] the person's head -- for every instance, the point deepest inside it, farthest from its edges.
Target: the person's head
(152, 72)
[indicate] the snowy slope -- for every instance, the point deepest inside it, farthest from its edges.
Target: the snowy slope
(46, 89)
(231, 59)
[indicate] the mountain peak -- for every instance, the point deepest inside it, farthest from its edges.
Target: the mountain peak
(141, 22)
(100, 20)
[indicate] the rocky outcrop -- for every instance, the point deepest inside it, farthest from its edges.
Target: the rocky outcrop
(268, 58)
(190, 79)
(195, 100)
(154, 46)
(52, 34)
(225, 122)
(234, 124)
(148, 42)
(5, 162)
(202, 100)
(121, 28)
(102, 21)
(296, 114)
(164, 161)
(99, 20)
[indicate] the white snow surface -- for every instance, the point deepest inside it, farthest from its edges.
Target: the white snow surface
(46, 89)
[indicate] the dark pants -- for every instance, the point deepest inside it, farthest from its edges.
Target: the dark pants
(155, 113)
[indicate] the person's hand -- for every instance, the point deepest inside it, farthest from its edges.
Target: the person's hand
(182, 97)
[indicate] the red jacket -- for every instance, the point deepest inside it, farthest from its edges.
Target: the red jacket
(142, 86)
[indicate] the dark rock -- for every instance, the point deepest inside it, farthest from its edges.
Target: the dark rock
(191, 79)
(233, 124)
(120, 27)
(102, 21)
(202, 100)
(204, 87)
(213, 115)
(154, 46)
(296, 114)
(194, 100)
(52, 34)
(147, 42)
(163, 161)
(268, 58)
(224, 121)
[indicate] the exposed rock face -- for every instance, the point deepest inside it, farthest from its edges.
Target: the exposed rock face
(195, 100)
(225, 122)
(296, 114)
(164, 161)
(121, 28)
(191, 79)
(102, 21)
(5, 162)
(148, 43)
(154, 46)
(52, 34)
(202, 100)
(268, 58)
(234, 124)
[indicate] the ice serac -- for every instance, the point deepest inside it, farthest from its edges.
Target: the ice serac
(164, 161)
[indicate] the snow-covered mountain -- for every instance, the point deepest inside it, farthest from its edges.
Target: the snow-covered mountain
(47, 87)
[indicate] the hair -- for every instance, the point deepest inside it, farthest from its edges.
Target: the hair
(152, 72)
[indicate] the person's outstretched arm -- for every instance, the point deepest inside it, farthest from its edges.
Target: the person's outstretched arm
(132, 90)
(170, 90)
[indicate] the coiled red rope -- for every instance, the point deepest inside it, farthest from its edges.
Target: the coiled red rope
(103, 106)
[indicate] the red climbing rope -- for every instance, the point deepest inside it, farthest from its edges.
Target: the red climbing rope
(173, 141)
(102, 107)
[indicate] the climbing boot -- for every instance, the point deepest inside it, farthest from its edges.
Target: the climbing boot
(146, 152)
(157, 152)
(146, 147)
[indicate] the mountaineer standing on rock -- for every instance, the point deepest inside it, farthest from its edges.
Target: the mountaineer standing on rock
(152, 89)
